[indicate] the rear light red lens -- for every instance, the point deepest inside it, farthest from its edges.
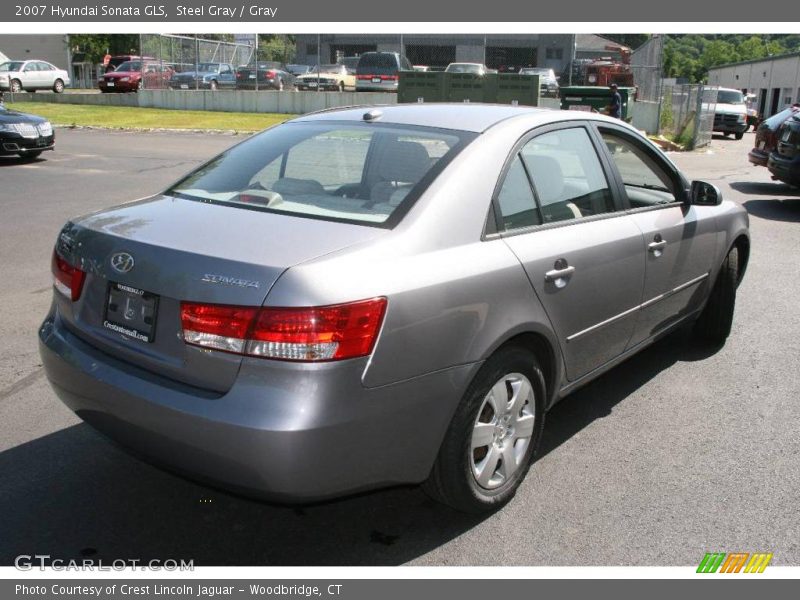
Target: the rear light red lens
(362, 77)
(299, 334)
(389, 77)
(270, 74)
(67, 279)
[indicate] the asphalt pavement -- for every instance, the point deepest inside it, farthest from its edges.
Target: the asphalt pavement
(677, 452)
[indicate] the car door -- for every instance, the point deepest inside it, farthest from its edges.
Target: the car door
(583, 255)
(29, 76)
(680, 238)
(227, 78)
(47, 74)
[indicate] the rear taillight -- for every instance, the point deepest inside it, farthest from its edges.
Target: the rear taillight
(363, 77)
(300, 334)
(270, 74)
(67, 279)
(389, 78)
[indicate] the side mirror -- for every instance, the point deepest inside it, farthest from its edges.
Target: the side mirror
(705, 194)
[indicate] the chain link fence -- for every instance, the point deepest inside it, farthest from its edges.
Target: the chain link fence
(646, 64)
(687, 114)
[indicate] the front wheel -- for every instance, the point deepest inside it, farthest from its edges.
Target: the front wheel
(493, 436)
(715, 322)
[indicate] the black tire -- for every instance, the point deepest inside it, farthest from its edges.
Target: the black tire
(739, 135)
(341, 86)
(726, 133)
(452, 480)
(213, 85)
(58, 86)
(714, 323)
(280, 84)
(16, 86)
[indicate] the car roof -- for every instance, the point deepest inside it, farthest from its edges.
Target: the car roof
(473, 117)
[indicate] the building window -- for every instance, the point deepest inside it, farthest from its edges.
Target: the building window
(555, 53)
(787, 96)
(312, 49)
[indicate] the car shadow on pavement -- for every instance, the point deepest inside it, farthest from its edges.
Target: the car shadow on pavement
(597, 399)
(73, 495)
(13, 161)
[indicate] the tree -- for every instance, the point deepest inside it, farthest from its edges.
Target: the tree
(95, 46)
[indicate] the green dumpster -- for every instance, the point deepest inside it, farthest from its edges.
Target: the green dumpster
(588, 97)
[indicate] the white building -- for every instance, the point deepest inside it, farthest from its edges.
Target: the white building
(774, 80)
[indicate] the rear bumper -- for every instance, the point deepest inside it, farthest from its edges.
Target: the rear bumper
(285, 432)
(785, 169)
(368, 86)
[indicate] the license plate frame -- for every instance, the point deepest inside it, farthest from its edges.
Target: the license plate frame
(117, 318)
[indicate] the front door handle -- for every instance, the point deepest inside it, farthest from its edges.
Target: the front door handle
(657, 247)
(560, 273)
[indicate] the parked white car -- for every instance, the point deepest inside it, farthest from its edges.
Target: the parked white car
(32, 75)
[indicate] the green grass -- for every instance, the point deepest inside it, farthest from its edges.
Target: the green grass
(123, 117)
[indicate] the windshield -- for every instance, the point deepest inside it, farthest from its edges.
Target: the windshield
(11, 66)
(341, 171)
(729, 97)
(776, 120)
(208, 67)
(131, 65)
(327, 69)
(377, 63)
(463, 68)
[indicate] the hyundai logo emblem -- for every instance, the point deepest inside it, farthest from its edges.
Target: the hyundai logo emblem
(122, 262)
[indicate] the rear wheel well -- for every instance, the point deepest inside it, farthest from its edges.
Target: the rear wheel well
(742, 244)
(541, 347)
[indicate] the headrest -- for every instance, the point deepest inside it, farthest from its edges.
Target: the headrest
(547, 177)
(404, 161)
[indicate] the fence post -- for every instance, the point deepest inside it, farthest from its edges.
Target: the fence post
(196, 63)
(697, 117)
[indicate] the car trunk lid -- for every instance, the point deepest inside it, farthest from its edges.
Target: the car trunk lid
(150, 255)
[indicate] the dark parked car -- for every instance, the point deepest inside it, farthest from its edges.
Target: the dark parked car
(132, 76)
(24, 135)
(267, 75)
(116, 61)
(767, 136)
(784, 162)
(209, 76)
(380, 71)
(372, 296)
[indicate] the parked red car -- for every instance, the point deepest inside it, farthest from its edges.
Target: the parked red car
(767, 135)
(132, 76)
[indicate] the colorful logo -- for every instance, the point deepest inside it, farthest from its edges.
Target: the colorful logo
(734, 562)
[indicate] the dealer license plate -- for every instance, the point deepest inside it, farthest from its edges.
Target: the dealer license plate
(131, 312)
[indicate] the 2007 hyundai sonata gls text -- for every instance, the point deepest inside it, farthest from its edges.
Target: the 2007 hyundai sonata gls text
(366, 297)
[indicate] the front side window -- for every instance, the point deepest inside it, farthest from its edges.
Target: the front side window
(567, 175)
(352, 172)
(646, 183)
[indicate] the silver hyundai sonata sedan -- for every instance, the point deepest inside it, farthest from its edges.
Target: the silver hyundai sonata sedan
(374, 296)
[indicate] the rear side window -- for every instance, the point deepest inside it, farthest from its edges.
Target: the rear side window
(376, 63)
(567, 175)
(350, 172)
(515, 200)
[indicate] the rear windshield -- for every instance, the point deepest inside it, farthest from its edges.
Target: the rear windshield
(775, 120)
(376, 63)
(340, 171)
